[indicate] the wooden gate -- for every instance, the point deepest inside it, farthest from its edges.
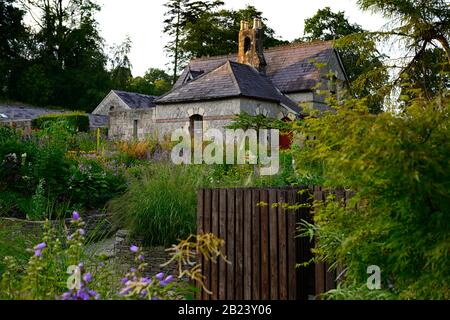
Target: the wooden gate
(261, 245)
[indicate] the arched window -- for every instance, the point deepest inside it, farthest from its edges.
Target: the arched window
(247, 44)
(195, 124)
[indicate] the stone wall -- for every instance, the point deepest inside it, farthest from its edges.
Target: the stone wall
(163, 120)
(95, 224)
(121, 124)
(216, 114)
(110, 103)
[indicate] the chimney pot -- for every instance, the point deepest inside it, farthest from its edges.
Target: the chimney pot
(244, 25)
(257, 23)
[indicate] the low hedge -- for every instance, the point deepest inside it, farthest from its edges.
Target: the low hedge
(76, 119)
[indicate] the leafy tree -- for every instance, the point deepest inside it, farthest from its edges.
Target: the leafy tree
(417, 27)
(121, 65)
(417, 23)
(362, 62)
(206, 29)
(217, 33)
(68, 51)
(398, 219)
(328, 25)
(178, 14)
(12, 43)
(36, 86)
(155, 82)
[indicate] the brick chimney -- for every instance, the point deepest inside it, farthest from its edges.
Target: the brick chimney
(251, 45)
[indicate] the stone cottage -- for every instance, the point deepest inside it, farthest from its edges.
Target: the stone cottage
(277, 82)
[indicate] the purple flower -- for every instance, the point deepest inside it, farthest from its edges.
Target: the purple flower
(67, 295)
(124, 280)
(75, 215)
(37, 253)
(146, 280)
(144, 293)
(160, 276)
(141, 257)
(133, 270)
(134, 248)
(94, 294)
(40, 246)
(87, 277)
(82, 295)
(166, 281)
(81, 232)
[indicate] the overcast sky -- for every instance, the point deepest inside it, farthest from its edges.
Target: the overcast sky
(142, 21)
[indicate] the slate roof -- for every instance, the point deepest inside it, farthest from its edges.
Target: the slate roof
(9, 112)
(22, 112)
(98, 120)
(231, 79)
(291, 68)
(136, 100)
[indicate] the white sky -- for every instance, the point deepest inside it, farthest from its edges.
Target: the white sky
(142, 20)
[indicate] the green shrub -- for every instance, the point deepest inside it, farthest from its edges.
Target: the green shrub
(398, 166)
(77, 120)
(91, 185)
(160, 205)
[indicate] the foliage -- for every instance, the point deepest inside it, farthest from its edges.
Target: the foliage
(160, 204)
(59, 268)
(327, 25)
(12, 43)
(62, 60)
(184, 253)
(360, 57)
(205, 28)
(14, 242)
(121, 65)
(415, 27)
(397, 165)
(37, 171)
(155, 82)
(77, 120)
(91, 185)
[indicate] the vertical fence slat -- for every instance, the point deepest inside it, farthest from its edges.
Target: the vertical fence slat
(291, 246)
(282, 248)
(265, 275)
(273, 236)
(239, 268)
(256, 243)
(200, 211)
(207, 229)
(230, 243)
(247, 244)
(215, 230)
(223, 235)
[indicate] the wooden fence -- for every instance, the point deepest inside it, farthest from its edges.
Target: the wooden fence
(261, 245)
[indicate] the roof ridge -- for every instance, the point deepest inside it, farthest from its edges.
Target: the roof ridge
(233, 76)
(299, 44)
(158, 99)
(279, 47)
(138, 93)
